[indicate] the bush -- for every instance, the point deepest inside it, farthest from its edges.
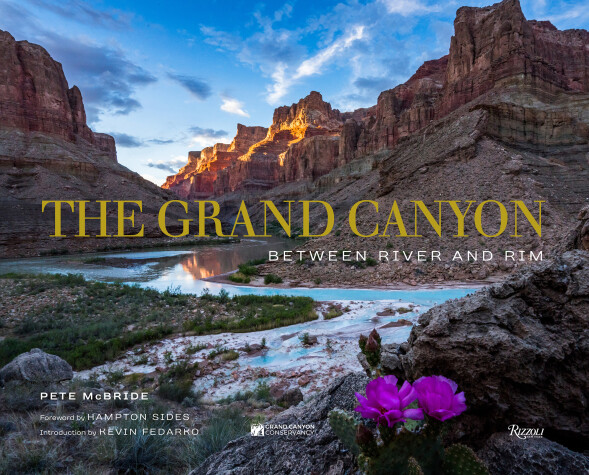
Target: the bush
(132, 452)
(247, 269)
(272, 279)
(239, 278)
(333, 312)
(20, 457)
(224, 426)
(256, 313)
(176, 383)
(192, 349)
(230, 355)
(176, 391)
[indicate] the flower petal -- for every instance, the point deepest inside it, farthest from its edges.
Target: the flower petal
(407, 394)
(372, 389)
(368, 412)
(393, 417)
(415, 414)
(390, 379)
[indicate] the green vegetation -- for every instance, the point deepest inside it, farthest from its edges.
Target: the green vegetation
(306, 340)
(91, 328)
(247, 269)
(94, 260)
(192, 349)
(224, 426)
(260, 393)
(176, 383)
(255, 313)
(230, 355)
(333, 312)
(272, 279)
(89, 323)
(240, 278)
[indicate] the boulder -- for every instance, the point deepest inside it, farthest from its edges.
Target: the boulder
(320, 452)
(519, 350)
(504, 453)
(36, 366)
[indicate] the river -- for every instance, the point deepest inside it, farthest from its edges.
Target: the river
(184, 269)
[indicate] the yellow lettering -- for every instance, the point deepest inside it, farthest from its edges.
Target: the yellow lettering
(161, 219)
(352, 218)
(478, 219)
(57, 215)
(121, 219)
(306, 218)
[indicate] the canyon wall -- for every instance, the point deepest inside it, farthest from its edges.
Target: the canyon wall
(35, 97)
(494, 51)
(48, 152)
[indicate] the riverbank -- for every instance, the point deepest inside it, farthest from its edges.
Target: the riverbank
(72, 246)
(258, 281)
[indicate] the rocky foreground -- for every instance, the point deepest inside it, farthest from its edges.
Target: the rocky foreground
(519, 350)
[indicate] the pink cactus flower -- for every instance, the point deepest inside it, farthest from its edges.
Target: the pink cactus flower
(437, 397)
(387, 404)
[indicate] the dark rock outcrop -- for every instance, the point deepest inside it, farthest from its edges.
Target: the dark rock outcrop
(318, 453)
(504, 453)
(36, 366)
(519, 350)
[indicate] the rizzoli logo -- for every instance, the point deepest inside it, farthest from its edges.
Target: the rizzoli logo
(525, 432)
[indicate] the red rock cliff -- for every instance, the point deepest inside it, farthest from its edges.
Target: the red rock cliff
(493, 48)
(35, 97)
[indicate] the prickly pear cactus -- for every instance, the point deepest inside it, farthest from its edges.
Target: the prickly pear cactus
(344, 425)
(461, 460)
(395, 456)
(413, 467)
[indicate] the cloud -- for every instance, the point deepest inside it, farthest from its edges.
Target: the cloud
(233, 106)
(171, 166)
(196, 86)
(83, 13)
(409, 7)
(127, 141)
(223, 40)
(161, 141)
(283, 80)
(106, 77)
(371, 83)
(207, 137)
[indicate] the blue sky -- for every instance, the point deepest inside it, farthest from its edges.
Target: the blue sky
(169, 77)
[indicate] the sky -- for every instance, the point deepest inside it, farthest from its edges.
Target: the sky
(168, 77)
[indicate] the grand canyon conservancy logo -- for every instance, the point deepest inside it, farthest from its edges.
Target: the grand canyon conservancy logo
(525, 432)
(260, 430)
(257, 430)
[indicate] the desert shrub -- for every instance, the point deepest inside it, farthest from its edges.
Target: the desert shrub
(240, 278)
(114, 377)
(176, 391)
(19, 457)
(333, 312)
(192, 349)
(256, 312)
(224, 426)
(176, 383)
(230, 355)
(247, 269)
(139, 452)
(272, 279)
